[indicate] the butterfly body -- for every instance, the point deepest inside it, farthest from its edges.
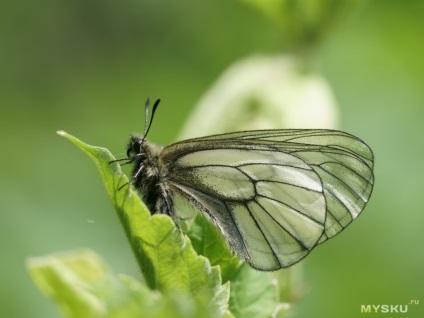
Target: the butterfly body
(274, 194)
(150, 175)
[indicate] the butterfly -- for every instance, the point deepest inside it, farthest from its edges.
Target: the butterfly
(273, 194)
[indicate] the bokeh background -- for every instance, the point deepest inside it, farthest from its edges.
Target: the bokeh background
(87, 66)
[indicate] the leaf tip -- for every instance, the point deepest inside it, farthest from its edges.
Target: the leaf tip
(61, 133)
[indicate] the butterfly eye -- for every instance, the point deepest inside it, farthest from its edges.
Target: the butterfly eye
(135, 145)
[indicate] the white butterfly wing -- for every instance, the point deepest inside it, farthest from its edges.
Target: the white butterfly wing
(274, 194)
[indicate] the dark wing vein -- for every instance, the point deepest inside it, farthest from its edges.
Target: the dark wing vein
(344, 166)
(282, 227)
(287, 205)
(275, 256)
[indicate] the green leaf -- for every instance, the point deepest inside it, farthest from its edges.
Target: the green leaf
(82, 285)
(65, 279)
(181, 283)
(165, 256)
(208, 241)
(219, 303)
(253, 294)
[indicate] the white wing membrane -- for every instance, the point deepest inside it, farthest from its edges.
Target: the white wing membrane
(237, 157)
(275, 194)
(225, 183)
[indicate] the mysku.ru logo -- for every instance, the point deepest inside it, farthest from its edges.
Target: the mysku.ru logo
(385, 309)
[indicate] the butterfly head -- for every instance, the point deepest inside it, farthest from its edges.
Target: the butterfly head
(138, 147)
(135, 145)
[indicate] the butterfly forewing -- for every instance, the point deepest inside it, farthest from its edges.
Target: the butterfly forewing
(274, 194)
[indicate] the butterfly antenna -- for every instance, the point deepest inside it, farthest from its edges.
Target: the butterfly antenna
(147, 127)
(146, 114)
(146, 130)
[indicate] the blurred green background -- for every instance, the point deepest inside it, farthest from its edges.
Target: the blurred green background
(87, 67)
